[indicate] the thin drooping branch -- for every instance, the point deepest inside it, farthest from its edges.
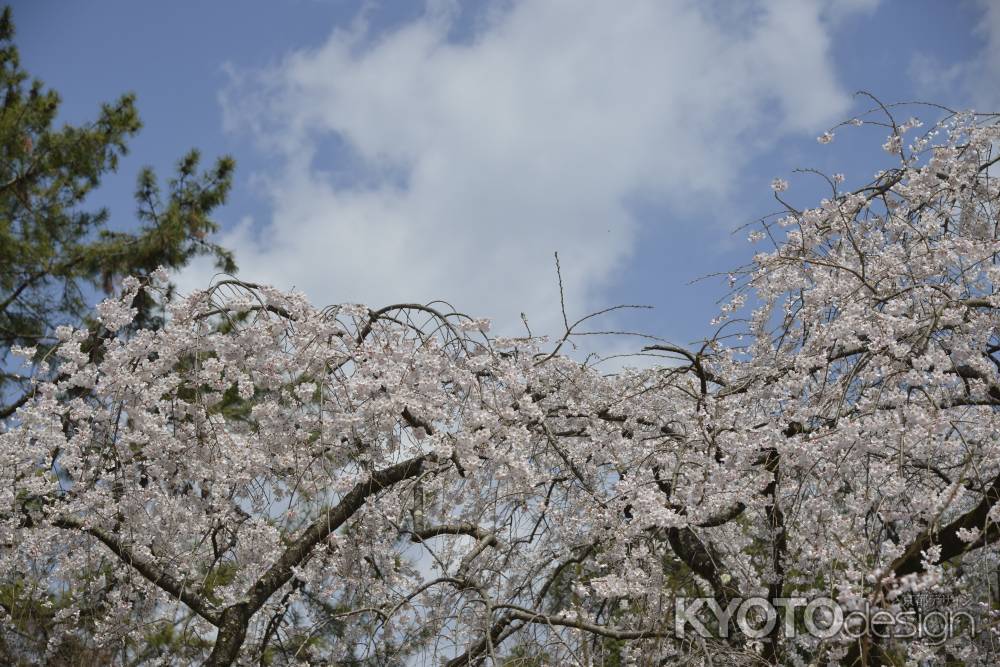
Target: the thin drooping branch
(506, 624)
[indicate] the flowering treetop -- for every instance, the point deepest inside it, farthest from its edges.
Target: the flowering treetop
(285, 484)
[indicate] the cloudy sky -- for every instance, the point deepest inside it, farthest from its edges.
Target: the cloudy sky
(398, 151)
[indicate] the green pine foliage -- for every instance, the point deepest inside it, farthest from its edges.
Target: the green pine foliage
(55, 252)
(57, 255)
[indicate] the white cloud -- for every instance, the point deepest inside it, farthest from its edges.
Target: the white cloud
(462, 165)
(984, 77)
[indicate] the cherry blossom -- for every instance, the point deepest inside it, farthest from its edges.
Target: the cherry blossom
(278, 483)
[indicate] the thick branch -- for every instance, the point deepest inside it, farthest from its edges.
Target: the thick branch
(8, 410)
(20, 288)
(779, 542)
(281, 572)
(521, 614)
(911, 561)
(451, 529)
(148, 569)
(235, 619)
(703, 560)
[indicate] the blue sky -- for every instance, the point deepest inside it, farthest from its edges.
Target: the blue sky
(400, 151)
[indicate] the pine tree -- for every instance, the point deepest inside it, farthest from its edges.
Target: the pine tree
(55, 252)
(56, 255)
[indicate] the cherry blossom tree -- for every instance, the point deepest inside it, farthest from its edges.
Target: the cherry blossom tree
(274, 483)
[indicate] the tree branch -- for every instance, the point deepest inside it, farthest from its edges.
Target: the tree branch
(234, 620)
(148, 568)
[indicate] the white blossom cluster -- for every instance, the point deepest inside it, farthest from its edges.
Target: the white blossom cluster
(284, 484)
